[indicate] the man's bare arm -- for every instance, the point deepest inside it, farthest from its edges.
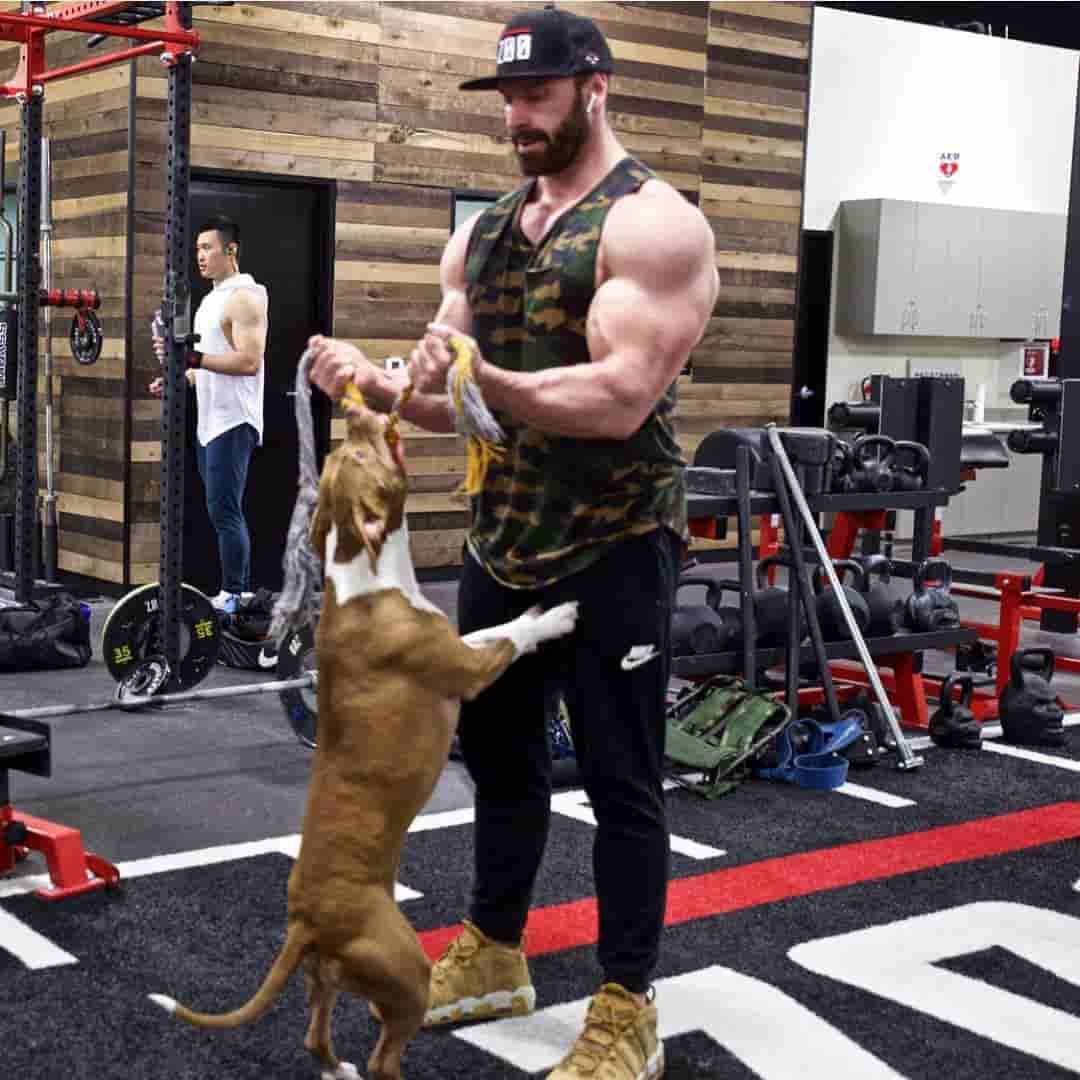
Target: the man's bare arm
(245, 323)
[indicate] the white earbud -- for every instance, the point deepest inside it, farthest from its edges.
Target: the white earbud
(592, 103)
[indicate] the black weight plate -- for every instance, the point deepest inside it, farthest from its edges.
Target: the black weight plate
(131, 636)
(86, 338)
(296, 657)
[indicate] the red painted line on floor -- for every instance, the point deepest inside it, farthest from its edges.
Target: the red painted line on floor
(571, 925)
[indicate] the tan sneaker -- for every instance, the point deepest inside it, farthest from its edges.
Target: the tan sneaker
(619, 1041)
(478, 979)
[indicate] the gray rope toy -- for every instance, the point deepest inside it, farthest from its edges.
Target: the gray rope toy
(303, 568)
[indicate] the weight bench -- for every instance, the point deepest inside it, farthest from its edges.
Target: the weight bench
(26, 746)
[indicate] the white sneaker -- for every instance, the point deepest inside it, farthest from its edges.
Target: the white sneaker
(225, 601)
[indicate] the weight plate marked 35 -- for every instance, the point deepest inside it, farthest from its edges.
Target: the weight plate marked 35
(131, 635)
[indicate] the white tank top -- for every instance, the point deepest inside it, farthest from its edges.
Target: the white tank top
(225, 401)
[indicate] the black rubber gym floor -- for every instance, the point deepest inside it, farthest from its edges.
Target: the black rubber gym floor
(914, 924)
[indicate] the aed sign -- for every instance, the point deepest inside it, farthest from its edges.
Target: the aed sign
(948, 165)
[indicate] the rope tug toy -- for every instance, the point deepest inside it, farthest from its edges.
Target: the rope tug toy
(297, 604)
(303, 567)
(472, 418)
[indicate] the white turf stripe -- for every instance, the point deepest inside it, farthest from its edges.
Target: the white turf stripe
(575, 804)
(1033, 755)
(444, 820)
(29, 947)
(188, 860)
(989, 731)
(882, 798)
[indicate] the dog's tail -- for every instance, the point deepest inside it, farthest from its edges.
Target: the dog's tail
(296, 944)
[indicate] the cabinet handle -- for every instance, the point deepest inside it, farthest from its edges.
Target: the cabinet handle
(915, 318)
(905, 319)
(971, 322)
(982, 319)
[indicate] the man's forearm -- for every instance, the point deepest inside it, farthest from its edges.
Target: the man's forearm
(230, 363)
(577, 401)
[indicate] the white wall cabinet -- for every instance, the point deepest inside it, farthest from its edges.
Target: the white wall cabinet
(935, 270)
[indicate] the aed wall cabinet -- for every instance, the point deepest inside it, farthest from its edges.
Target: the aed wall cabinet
(933, 270)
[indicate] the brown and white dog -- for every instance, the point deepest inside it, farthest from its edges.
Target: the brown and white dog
(391, 673)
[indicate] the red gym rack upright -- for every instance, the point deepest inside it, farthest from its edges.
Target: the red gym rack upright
(72, 869)
(176, 44)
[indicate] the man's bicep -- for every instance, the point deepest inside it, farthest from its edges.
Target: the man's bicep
(651, 328)
(454, 309)
(249, 325)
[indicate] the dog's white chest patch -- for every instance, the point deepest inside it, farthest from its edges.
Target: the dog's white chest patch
(394, 571)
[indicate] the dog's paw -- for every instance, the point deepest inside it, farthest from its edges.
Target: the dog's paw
(346, 1070)
(558, 621)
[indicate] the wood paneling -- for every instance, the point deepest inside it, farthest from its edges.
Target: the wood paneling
(752, 148)
(86, 120)
(713, 96)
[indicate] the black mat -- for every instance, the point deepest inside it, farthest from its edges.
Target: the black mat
(207, 937)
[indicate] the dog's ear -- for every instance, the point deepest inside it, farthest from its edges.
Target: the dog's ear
(324, 515)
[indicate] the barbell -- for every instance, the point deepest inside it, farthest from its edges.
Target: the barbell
(136, 702)
(131, 647)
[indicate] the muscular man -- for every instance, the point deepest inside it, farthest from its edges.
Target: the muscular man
(585, 291)
(227, 373)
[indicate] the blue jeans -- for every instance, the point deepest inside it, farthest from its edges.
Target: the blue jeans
(223, 466)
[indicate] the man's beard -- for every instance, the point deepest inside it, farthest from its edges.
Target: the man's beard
(561, 148)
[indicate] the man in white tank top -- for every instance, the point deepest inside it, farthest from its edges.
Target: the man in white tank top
(227, 372)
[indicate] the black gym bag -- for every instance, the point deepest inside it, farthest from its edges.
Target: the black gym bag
(52, 632)
(244, 641)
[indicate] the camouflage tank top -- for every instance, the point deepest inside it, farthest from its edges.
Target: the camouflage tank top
(553, 505)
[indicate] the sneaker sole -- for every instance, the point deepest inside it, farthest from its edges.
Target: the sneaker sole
(654, 1067)
(502, 1003)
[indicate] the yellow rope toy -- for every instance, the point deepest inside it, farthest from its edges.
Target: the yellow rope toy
(472, 417)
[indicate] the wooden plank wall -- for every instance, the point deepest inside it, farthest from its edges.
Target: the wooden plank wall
(756, 99)
(440, 139)
(713, 96)
(86, 119)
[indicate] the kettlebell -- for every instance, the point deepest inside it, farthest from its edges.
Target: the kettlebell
(930, 608)
(771, 606)
(834, 626)
(697, 628)
(910, 475)
(872, 474)
(954, 725)
(879, 598)
(838, 470)
(1028, 708)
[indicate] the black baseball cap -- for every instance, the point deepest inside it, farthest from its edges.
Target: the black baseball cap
(547, 44)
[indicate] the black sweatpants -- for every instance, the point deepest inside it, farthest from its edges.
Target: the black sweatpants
(613, 671)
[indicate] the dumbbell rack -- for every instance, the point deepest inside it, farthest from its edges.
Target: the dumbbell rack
(901, 651)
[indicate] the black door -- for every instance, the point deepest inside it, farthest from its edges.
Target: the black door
(285, 244)
(812, 329)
